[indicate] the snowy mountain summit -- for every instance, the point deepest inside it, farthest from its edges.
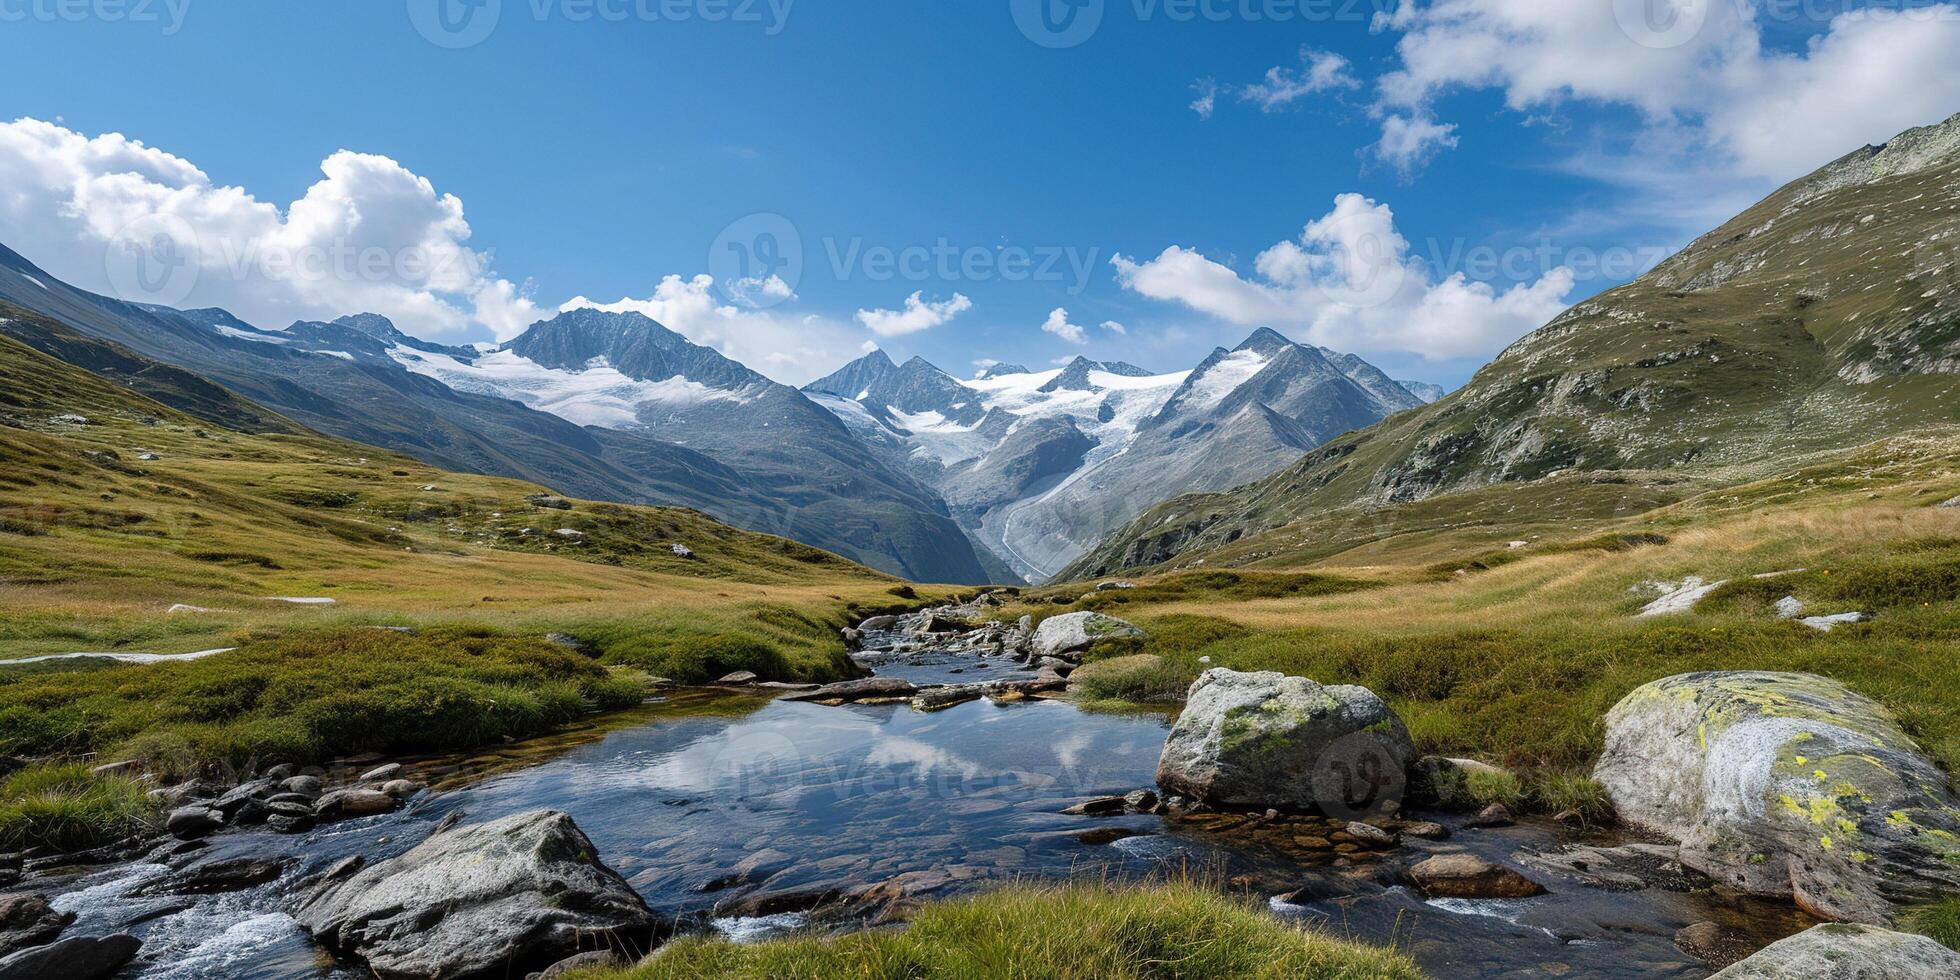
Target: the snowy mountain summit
(1039, 465)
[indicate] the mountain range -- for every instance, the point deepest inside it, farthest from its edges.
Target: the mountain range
(597, 405)
(1040, 465)
(1826, 316)
(901, 467)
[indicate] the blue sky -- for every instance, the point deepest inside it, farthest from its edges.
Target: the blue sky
(594, 156)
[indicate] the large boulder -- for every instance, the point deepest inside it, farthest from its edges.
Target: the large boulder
(1267, 739)
(1787, 785)
(74, 958)
(473, 900)
(1841, 951)
(1076, 632)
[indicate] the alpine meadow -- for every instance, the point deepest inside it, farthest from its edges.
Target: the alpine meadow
(1047, 489)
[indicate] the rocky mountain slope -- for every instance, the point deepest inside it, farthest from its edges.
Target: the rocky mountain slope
(614, 407)
(1039, 466)
(1825, 316)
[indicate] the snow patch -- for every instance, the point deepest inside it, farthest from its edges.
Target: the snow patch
(1679, 597)
(598, 396)
(251, 335)
(127, 658)
(1225, 377)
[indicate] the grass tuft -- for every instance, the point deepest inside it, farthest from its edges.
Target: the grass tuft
(1939, 921)
(1118, 932)
(1560, 790)
(69, 808)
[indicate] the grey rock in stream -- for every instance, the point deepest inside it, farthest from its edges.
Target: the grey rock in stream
(28, 920)
(1787, 785)
(74, 958)
(1267, 739)
(1843, 951)
(1076, 632)
(869, 687)
(473, 900)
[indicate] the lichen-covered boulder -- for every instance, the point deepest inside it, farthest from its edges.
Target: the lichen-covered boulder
(1077, 632)
(1270, 740)
(473, 900)
(1841, 951)
(1788, 785)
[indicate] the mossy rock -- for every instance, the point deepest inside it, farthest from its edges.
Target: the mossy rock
(1269, 740)
(1788, 785)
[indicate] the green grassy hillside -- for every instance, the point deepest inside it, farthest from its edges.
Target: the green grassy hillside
(127, 525)
(1824, 317)
(1507, 629)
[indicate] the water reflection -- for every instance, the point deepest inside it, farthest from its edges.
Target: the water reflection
(706, 808)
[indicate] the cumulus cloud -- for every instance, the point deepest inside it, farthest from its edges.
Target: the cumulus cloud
(1749, 106)
(1057, 324)
(1410, 142)
(1319, 71)
(370, 235)
(791, 349)
(1116, 328)
(1351, 282)
(918, 314)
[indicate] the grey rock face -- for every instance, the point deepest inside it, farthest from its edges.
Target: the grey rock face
(1787, 785)
(476, 899)
(28, 920)
(1840, 951)
(1076, 632)
(74, 958)
(1267, 739)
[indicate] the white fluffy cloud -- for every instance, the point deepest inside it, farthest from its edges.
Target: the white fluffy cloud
(1319, 71)
(1706, 68)
(918, 314)
(368, 236)
(1409, 142)
(1116, 328)
(1057, 324)
(1350, 282)
(791, 349)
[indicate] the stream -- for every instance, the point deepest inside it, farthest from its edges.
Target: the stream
(716, 799)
